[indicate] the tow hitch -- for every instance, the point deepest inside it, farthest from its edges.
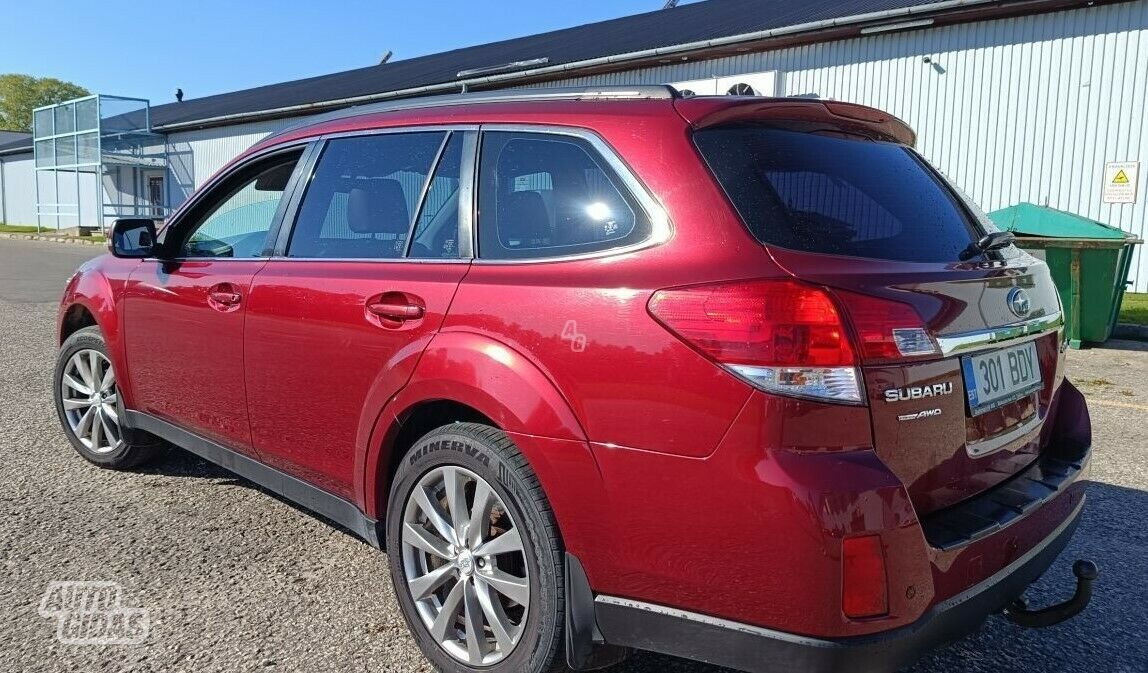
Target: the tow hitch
(1086, 573)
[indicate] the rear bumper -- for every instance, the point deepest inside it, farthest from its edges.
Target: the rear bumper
(749, 648)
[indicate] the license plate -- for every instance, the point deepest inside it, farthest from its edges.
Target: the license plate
(994, 379)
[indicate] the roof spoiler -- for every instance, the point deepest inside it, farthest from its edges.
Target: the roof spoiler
(801, 114)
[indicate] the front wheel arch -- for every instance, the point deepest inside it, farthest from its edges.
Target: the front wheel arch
(76, 318)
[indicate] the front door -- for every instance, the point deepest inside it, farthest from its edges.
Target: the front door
(183, 315)
(336, 324)
(155, 195)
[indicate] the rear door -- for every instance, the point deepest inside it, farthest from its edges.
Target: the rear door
(183, 315)
(959, 394)
(339, 317)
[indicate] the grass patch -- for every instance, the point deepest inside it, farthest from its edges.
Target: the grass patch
(1134, 309)
(25, 229)
(1093, 382)
(16, 229)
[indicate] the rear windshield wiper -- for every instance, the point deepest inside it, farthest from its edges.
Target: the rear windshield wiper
(993, 241)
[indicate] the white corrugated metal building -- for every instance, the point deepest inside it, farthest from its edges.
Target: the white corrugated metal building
(1015, 101)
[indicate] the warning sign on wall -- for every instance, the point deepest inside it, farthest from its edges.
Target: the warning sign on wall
(1120, 181)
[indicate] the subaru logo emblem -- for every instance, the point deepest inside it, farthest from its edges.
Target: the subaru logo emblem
(1018, 302)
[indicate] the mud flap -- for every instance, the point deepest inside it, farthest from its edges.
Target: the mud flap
(586, 649)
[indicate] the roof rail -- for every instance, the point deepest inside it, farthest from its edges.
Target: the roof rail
(584, 93)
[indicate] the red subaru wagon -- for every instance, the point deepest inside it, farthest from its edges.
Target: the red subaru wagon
(738, 379)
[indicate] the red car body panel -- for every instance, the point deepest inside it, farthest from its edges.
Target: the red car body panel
(673, 481)
(485, 375)
(320, 366)
(778, 505)
(195, 377)
(96, 289)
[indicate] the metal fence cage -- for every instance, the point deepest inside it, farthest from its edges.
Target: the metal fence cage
(83, 137)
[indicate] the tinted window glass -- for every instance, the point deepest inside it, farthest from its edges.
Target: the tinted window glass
(237, 226)
(362, 196)
(548, 195)
(436, 232)
(836, 195)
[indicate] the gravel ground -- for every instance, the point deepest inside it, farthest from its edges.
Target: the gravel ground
(235, 579)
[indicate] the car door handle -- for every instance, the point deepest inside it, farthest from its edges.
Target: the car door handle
(399, 310)
(224, 297)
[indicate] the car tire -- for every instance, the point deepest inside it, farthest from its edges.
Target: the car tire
(463, 455)
(90, 409)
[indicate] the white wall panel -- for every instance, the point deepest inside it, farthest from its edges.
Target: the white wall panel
(19, 197)
(1024, 109)
(194, 156)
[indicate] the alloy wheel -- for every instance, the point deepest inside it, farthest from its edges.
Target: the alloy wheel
(89, 396)
(465, 566)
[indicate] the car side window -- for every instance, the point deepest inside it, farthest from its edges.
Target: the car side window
(436, 231)
(362, 197)
(238, 224)
(548, 195)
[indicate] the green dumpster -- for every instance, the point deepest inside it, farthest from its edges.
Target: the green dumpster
(1089, 262)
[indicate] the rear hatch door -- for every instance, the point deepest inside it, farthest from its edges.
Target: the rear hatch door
(958, 405)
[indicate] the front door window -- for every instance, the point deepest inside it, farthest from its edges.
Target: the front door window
(238, 224)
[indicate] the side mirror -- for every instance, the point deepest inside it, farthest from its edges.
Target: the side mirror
(133, 238)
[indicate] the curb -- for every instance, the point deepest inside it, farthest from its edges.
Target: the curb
(1133, 332)
(51, 239)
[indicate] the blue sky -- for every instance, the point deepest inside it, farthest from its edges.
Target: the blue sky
(214, 46)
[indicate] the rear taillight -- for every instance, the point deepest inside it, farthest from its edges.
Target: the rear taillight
(864, 581)
(886, 329)
(782, 336)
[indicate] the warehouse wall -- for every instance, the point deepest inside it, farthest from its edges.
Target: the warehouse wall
(18, 199)
(194, 156)
(1025, 109)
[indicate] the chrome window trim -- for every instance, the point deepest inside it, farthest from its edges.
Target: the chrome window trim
(363, 260)
(969, 342)
(661, 228)
(388, 130)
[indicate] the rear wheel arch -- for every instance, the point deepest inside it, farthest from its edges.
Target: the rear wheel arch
(461, 376)
(411, 425)
(466, 377)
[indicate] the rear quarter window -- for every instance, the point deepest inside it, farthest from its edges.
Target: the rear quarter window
(547, 195)
(837, 195)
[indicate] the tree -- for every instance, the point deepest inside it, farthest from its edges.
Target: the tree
(20, 94)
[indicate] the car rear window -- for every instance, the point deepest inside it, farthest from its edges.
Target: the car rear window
(836, 195)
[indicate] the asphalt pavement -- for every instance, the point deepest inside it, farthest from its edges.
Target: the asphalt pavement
(235, 579)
